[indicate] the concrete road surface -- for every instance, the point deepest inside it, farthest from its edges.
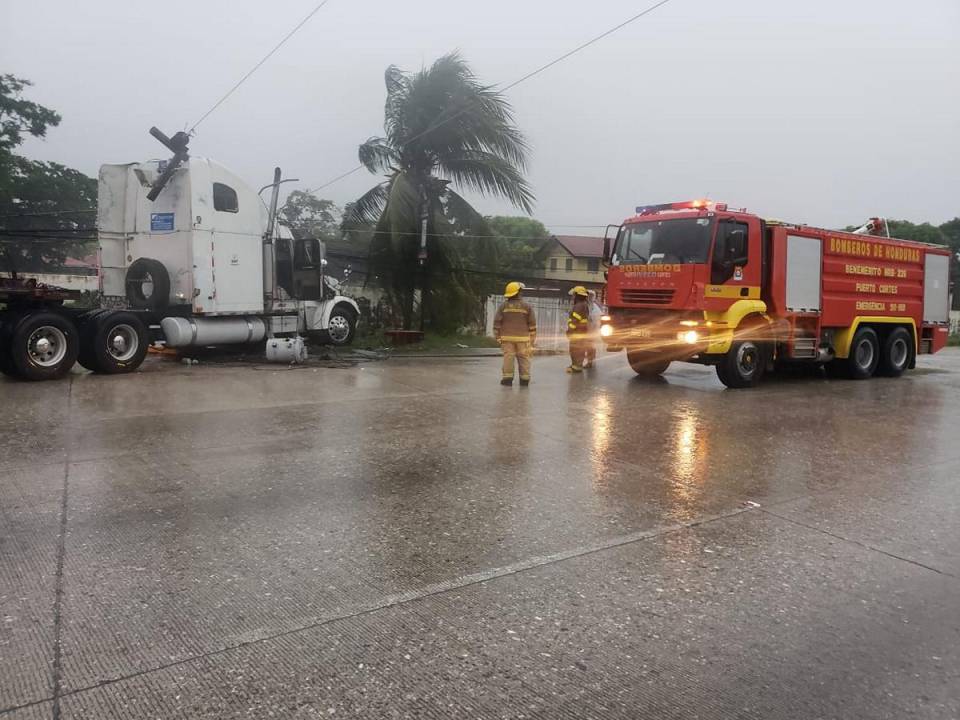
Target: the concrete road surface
(408, 539)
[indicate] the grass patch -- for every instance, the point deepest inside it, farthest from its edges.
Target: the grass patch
(432, 342)
(953, 341)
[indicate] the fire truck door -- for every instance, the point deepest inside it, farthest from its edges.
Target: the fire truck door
(735, 268)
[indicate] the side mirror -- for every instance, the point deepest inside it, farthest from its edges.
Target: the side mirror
(606, 250)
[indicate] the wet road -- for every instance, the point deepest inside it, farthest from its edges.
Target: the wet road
(409, 539)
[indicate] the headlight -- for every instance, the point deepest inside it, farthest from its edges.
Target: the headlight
(691, 337)
(606, 330)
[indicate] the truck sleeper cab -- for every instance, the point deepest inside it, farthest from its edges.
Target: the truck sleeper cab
(698, 282)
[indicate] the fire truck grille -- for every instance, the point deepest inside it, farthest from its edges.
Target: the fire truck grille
(647, 297)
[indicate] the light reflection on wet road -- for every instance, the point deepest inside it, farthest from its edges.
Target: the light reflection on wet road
(410, 539)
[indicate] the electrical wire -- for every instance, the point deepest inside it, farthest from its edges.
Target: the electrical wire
(47, 213)
(513, 84)
(257, 66)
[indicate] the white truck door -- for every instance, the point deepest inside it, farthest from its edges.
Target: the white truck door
(228, 239)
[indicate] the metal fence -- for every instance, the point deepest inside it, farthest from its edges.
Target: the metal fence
(551, 320)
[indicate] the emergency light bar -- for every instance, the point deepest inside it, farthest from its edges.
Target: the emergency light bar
(685, 205)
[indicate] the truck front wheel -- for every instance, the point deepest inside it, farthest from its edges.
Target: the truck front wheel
(43, 346)
(743, 365)
(864, 354)
(342, 326)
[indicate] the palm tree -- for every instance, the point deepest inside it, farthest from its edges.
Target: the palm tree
(444, 130)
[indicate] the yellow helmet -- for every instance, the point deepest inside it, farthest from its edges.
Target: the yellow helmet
(578, 290)
(512, 289)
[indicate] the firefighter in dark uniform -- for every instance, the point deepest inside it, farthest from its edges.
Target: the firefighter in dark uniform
(515, 328)
(578, 329)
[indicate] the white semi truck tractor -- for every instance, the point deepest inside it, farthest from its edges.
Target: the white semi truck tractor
(189, 255)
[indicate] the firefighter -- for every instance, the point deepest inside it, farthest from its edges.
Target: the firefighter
(515, 328)
(578, 329)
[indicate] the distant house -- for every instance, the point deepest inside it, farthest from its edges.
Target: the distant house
(573, 260)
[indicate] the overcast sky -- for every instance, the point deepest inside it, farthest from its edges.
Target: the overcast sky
(821, 111)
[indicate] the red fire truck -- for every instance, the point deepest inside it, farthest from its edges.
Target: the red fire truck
(700, 282)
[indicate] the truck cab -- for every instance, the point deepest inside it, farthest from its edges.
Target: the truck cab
(194, 252)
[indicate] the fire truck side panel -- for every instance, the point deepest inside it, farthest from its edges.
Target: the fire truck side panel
(871, 277)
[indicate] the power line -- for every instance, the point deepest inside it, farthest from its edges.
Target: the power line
(257, 66)
(513, 84)
(48, 213)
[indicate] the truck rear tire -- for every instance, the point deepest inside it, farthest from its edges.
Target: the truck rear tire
(896, 353)
(115, 342)
(647, 365)
(743, 365)
(864, 354)
(7, 320)
(85, 326)
(43, 346)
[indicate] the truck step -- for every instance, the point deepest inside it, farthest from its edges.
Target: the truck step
(804, 347)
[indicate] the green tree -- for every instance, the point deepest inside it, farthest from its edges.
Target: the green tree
(46, 209)
(951, 233)
(924, 232)
(519, 240)
(309, 216)
(444, 130)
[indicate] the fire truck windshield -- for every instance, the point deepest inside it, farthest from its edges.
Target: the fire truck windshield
(664, 242)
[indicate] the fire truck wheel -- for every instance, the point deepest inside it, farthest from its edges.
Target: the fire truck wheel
(44, 346)
(864, 354)
(896, 353)
(743, 365)
(119, 343)
(646, 365)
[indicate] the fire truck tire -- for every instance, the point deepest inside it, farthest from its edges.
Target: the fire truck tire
(118, 343)
(896, 353)
(743, 365)
(85, 324)
(44, 346)
(864, 354)
(646, 365)
(141, 271)
(7, 320)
